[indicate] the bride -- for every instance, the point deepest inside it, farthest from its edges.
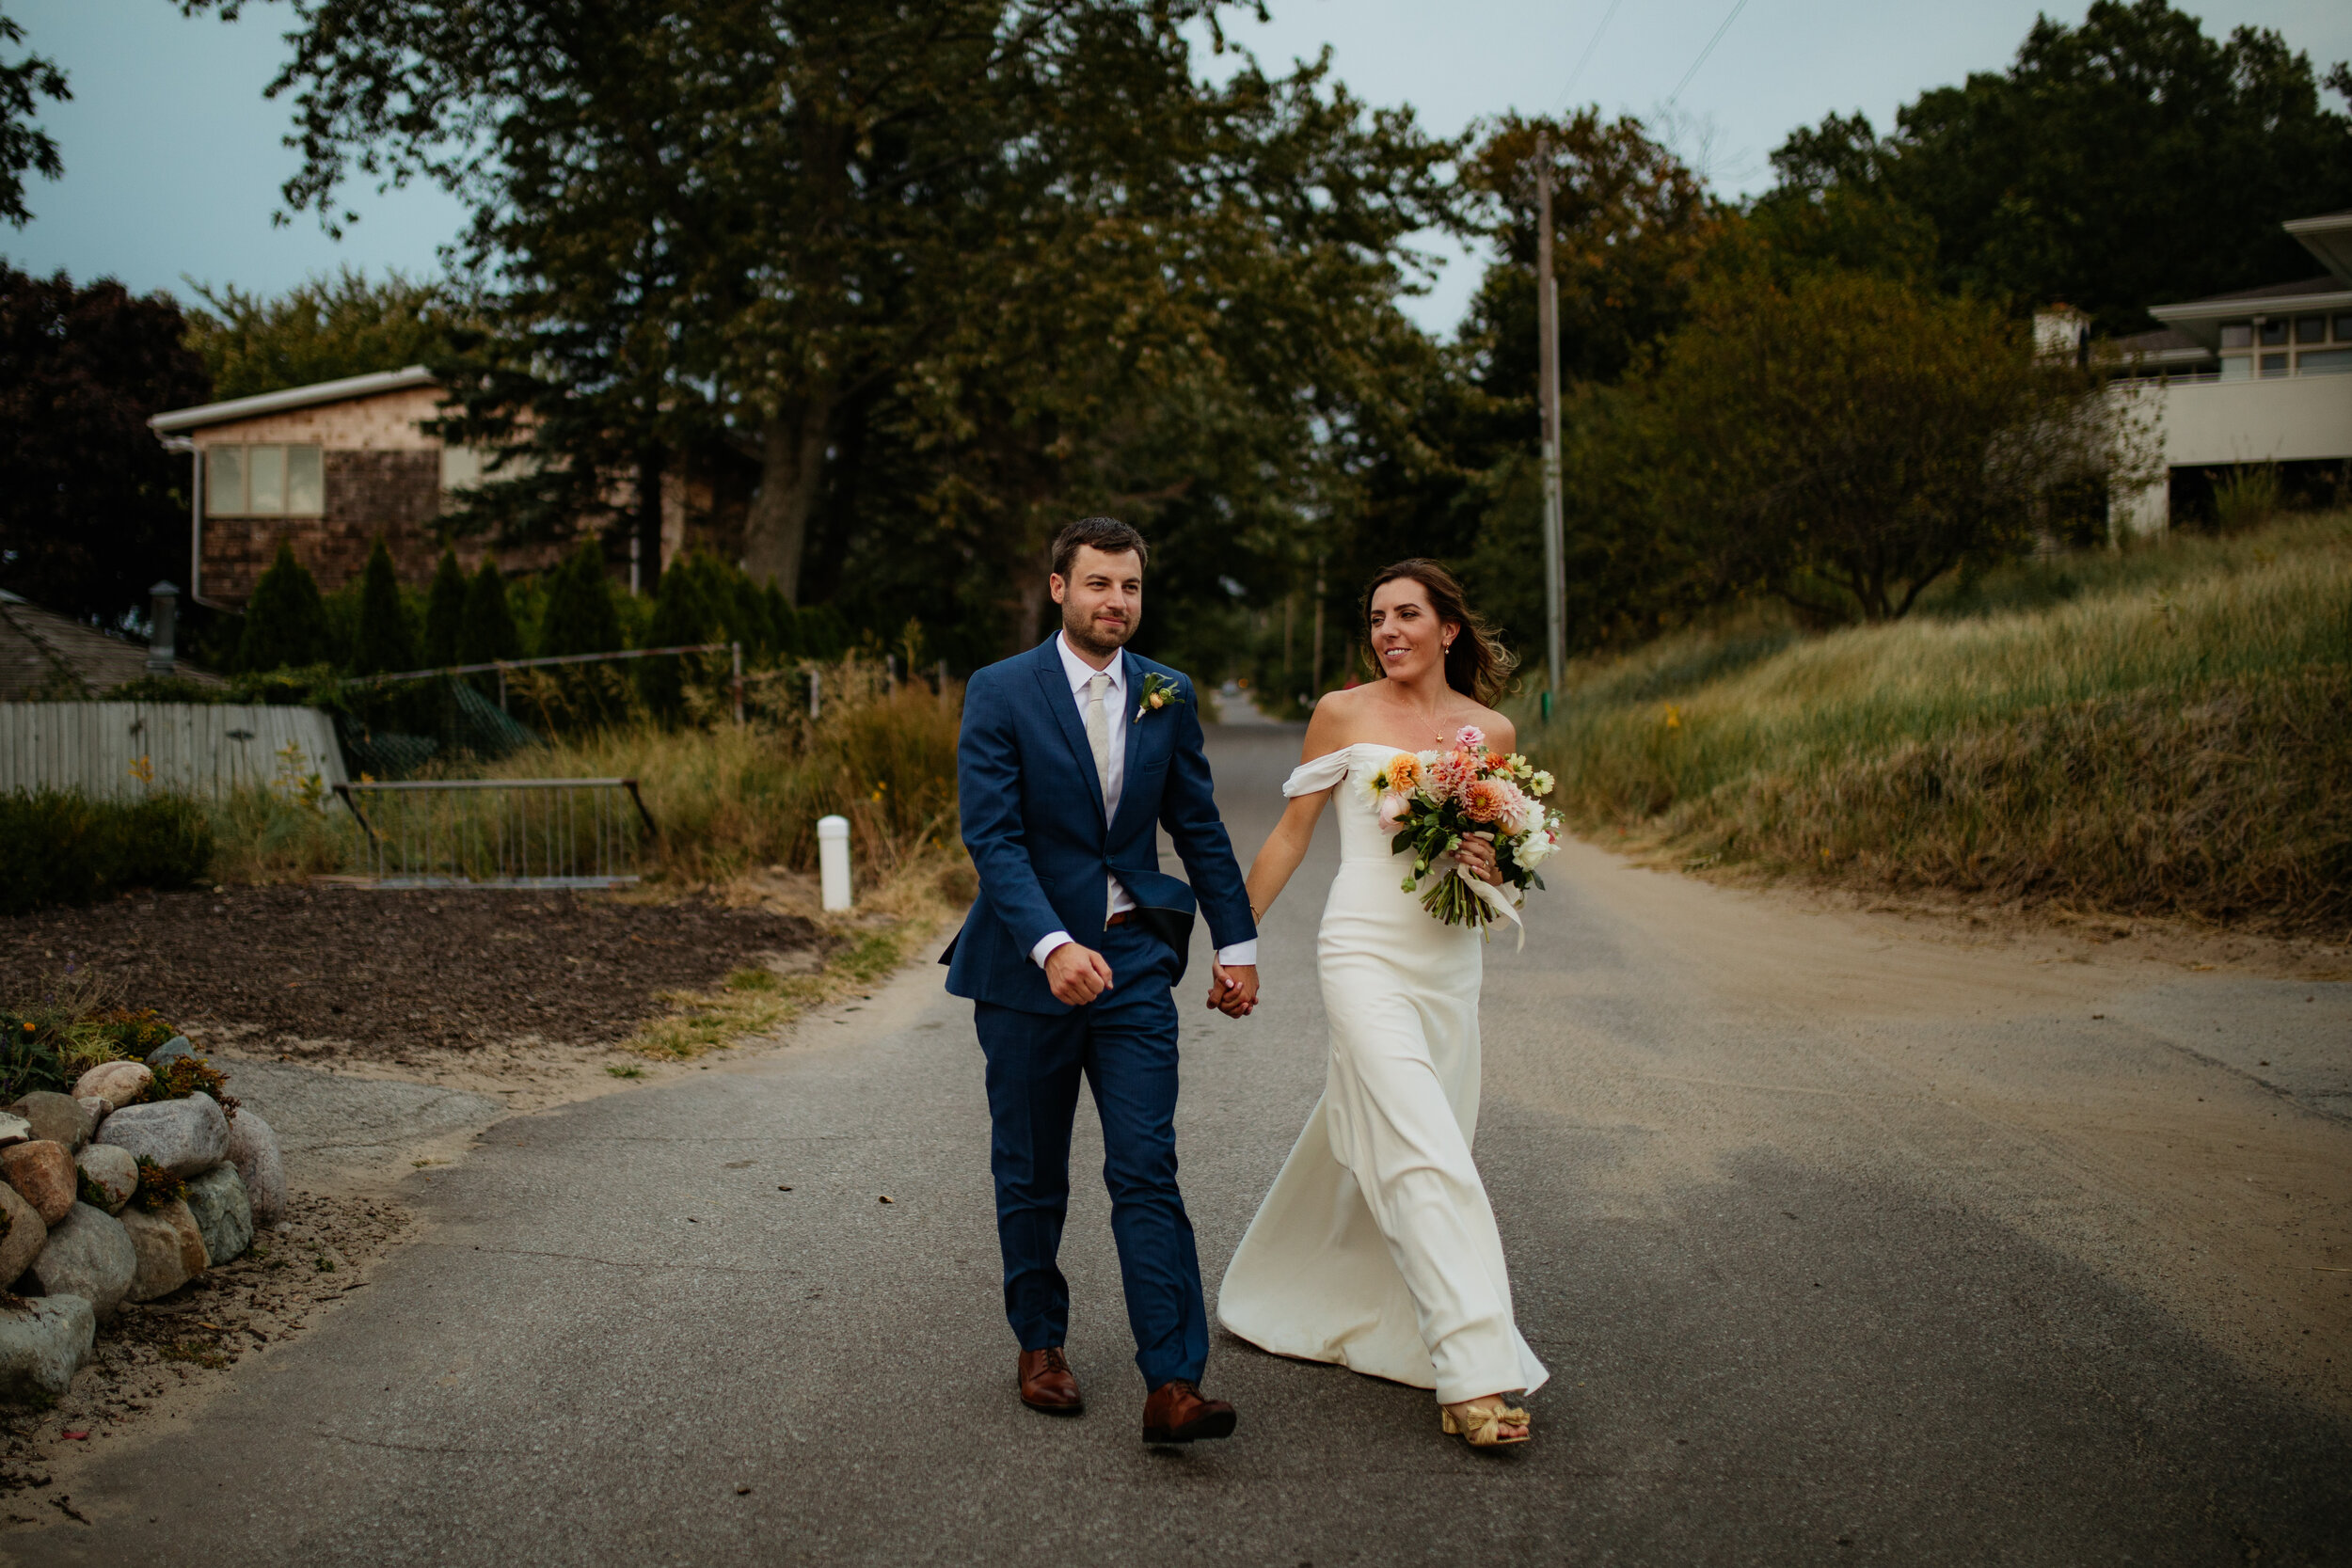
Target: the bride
(1375, 1248)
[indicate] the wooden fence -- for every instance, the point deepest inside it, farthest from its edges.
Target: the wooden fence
(117, 749)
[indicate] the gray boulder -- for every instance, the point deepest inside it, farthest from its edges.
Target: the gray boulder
(253, 1149)
(15, 1130)
(187, 1137)
(42, 1343)
(116, 1083)
(176, 1046)
(23, 1233)
(109, 1175)
(89, 1256)
(222, 1211)
(55, 1118)
(170, 1249)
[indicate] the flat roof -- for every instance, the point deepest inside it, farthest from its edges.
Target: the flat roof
(174, 420)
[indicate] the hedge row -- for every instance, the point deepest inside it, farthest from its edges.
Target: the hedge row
(57, 847)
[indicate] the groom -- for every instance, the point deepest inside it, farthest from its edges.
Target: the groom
(1071, 755)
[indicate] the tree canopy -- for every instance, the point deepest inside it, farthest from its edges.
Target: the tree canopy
(320, 330)
(92, 509)
(25, 147)
(2123, 163)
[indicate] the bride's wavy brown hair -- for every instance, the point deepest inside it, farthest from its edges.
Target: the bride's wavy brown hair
(1478, 665)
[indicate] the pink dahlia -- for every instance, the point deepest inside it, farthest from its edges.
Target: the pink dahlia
(1491, 801)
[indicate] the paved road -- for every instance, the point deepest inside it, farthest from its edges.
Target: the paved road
(1843, 1243)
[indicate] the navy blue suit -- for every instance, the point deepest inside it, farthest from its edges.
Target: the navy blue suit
(1033, 819)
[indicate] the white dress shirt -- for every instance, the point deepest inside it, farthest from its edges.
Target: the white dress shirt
(1116, 717)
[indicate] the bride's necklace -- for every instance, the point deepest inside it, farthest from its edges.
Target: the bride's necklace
(1437, 728)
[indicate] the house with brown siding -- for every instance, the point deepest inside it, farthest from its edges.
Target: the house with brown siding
(332, 467)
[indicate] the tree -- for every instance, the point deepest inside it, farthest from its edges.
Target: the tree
(321, 330)
(386, 639)
(2116, 165)
(92, 509)
(285, 621)
(21, 146)
(487, 632)
(580, 618)
(1843, 440)
(970, 262)
(445, 613)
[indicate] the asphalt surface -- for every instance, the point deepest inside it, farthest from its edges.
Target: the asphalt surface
(1808, 1295)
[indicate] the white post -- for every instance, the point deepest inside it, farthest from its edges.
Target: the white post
(833, 861)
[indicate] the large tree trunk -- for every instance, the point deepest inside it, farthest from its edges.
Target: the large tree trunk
(792, 467)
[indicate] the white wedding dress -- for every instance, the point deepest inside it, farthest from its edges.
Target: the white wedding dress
(1375, 1248)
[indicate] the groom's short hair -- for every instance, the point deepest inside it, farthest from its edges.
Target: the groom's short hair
(1108, 534)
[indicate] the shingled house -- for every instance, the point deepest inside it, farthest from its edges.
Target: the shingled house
(46, 655)
(329, 467)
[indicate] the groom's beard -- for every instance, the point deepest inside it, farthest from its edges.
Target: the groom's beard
(1089, 636)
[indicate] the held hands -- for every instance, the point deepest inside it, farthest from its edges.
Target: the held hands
(1077, 975)
(1233, 989)
(1476, 853)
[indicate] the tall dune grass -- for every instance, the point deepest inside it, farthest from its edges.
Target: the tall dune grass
(2163, 731)
(730, 800)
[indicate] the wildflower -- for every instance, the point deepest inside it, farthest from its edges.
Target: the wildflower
(1674, 717)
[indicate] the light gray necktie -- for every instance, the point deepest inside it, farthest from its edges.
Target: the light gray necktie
(1098, 733)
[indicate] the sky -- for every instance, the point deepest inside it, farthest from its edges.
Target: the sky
(174, 158)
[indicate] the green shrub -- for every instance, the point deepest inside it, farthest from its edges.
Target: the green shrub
(285, 621)
(59, 848)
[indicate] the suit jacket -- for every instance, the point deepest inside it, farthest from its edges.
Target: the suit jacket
(1032, 810)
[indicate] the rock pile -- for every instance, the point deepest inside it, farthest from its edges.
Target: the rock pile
(107, 1198)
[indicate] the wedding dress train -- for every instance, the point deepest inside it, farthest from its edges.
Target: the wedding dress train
(1375, 1248)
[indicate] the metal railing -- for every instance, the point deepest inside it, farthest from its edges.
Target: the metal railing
(502, 832)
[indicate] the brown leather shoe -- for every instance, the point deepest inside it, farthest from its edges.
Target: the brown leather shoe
(1176, 1413)
(1048, 1383)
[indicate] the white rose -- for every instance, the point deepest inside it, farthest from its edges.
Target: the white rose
(1539, 848)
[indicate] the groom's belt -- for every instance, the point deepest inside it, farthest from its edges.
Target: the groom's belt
(1119, 919)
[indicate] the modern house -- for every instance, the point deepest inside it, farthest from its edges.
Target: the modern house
(2263, 375)
(330, 469)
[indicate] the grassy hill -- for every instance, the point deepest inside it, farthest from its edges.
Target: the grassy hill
(2165, 731)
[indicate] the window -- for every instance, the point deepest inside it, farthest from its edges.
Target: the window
(2238, 334)
(2274, 364)
(265, 481)
(2237, 367)
(2344, 329)
(2323, 361)
(2274, 334)
(2310, 329)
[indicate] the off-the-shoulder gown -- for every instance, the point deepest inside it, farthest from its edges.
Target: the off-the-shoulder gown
(1377, 1248)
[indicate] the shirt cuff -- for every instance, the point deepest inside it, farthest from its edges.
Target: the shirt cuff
(1051, 941)
(1241, 954)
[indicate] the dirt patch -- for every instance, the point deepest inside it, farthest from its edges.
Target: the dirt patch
(401, 977)
(159, 1356)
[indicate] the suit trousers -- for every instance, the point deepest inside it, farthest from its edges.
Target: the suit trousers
(1124, 1044)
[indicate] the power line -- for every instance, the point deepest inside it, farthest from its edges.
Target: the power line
(1606, 16)
(1738, 6)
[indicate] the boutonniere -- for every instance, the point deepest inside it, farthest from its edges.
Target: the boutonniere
(1158, 692)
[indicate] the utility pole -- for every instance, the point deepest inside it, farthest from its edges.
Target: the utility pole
(1548, 331)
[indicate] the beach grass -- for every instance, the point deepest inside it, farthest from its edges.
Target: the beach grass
(2166, 730)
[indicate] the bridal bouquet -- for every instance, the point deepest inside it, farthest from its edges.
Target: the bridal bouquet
(1434, 800)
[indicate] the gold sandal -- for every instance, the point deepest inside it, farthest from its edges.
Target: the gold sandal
(1484, 1429)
